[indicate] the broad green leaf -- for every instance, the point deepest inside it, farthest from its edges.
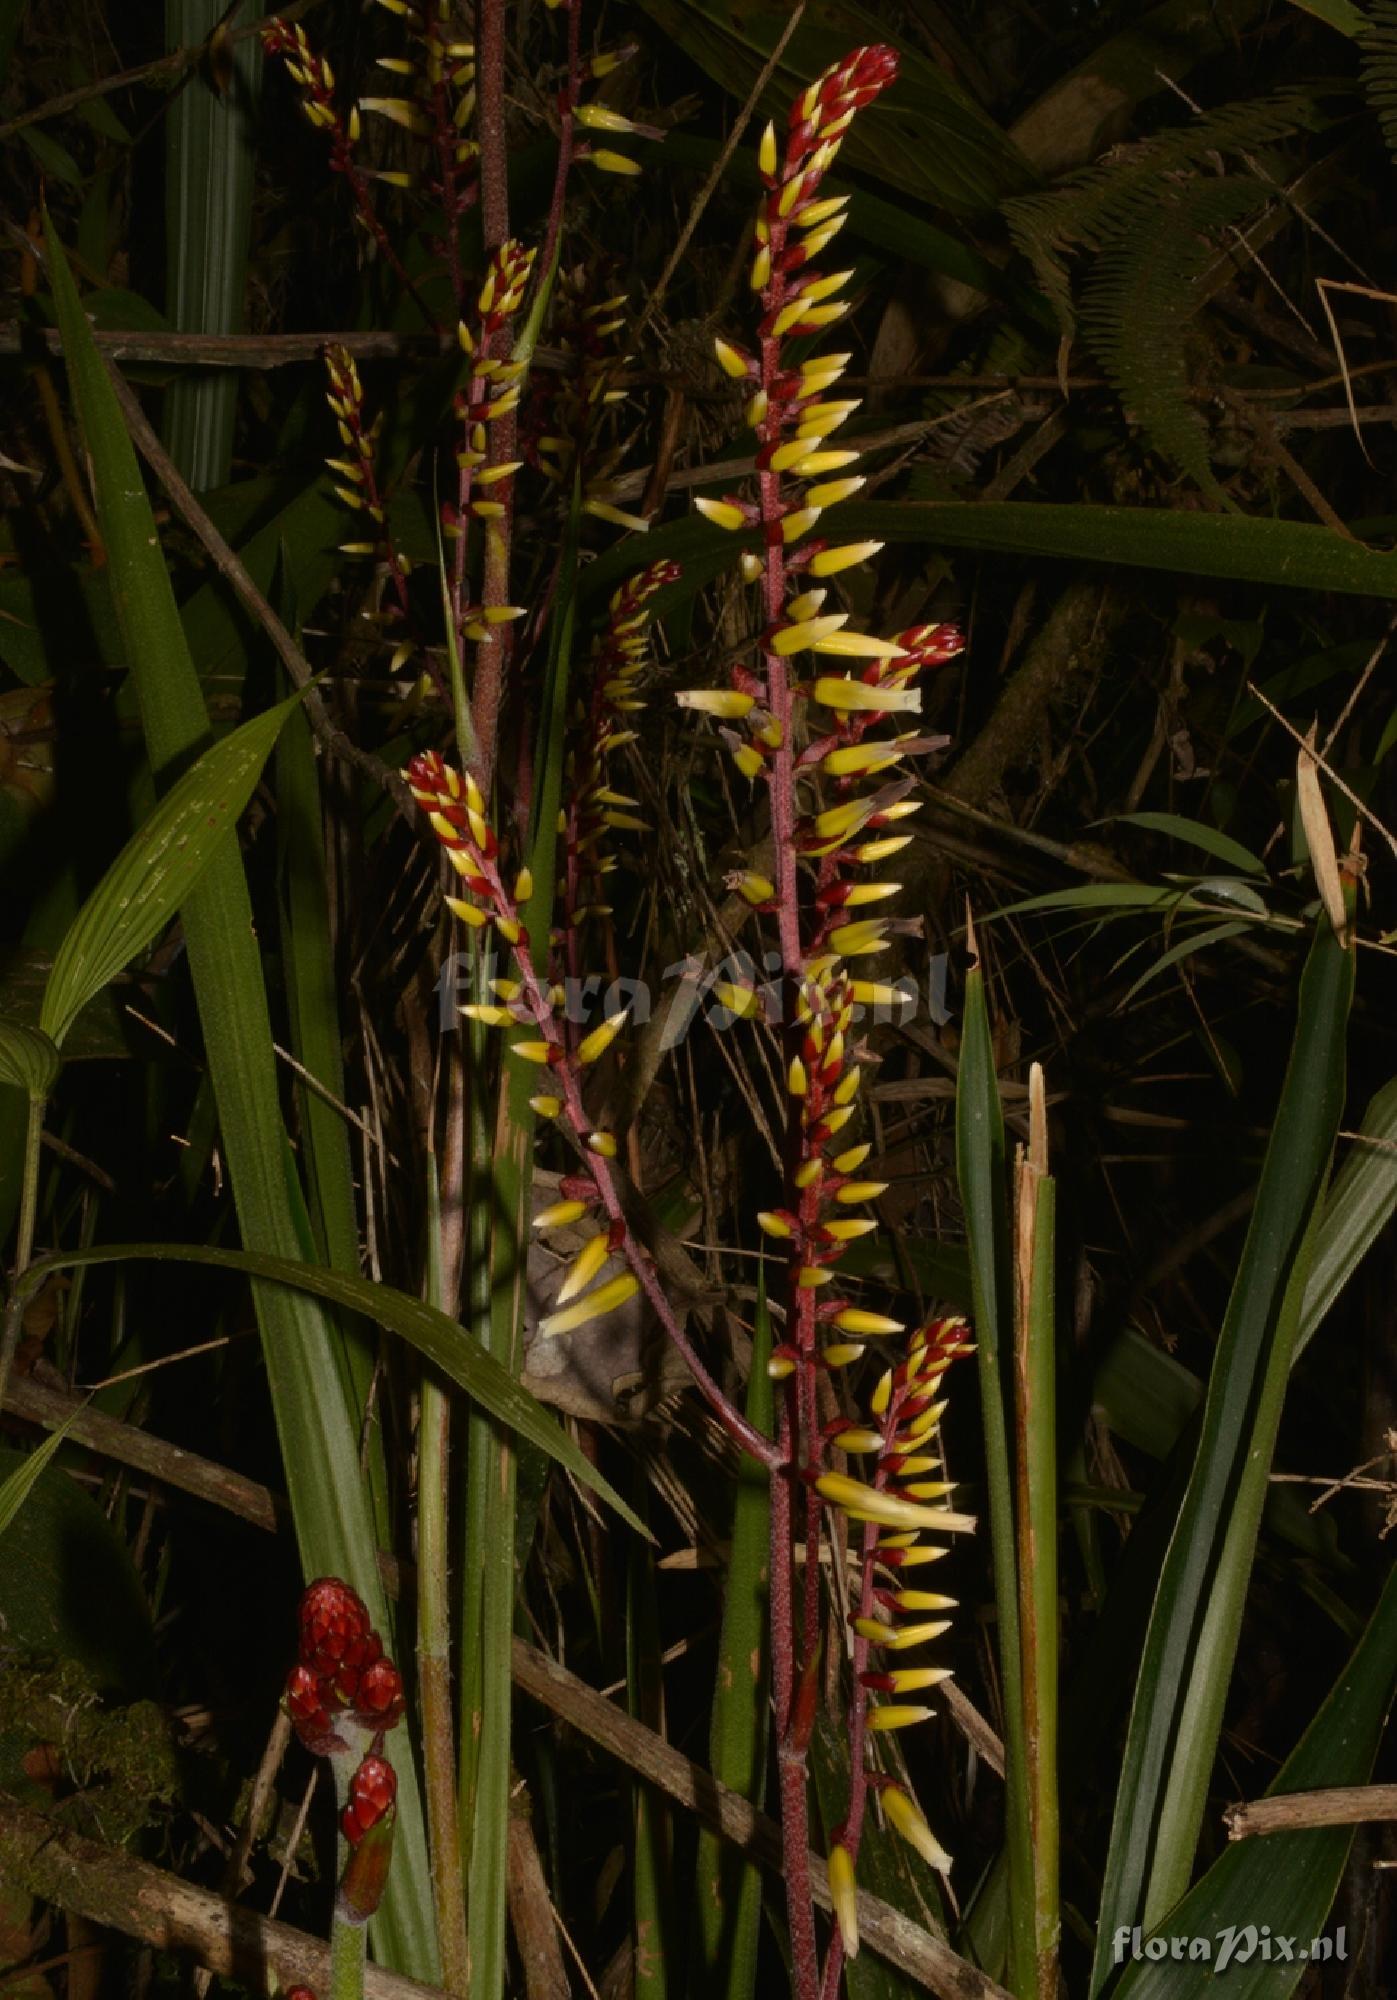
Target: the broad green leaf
(1287, 1881)
(1194, 834)
(303, 1348)
(982, 1174)
(441, 1339)
(1298, 554)
(28, 1058)
(158, 867)
(1191, 1643)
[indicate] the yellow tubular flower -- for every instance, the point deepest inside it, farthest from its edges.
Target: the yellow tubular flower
(560, 1214)
(853, 1319)
(867, 1503)
(583, 1268)
(595, 1045)
(606, 1298)
(891, 1715)
(856, 1441)
(905, 1818)
(721, 513)
(725, 703)
(844, 1898)
(830, 561)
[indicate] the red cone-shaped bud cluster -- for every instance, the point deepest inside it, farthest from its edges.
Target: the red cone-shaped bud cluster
(372, 1790)
(337, 1638)
(341, 1666)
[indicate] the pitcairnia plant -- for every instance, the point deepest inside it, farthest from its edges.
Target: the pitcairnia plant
(820, 719)
(834, 792)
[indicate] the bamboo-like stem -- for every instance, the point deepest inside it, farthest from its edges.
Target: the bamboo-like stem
(1036, 1520)
(24, 1236)
(434, 1619)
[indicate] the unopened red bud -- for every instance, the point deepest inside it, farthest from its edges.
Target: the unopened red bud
(380, 1696)
(372, 1790)
(311, 1705)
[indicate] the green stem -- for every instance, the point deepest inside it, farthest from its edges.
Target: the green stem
(347, 1942)
(24, 1239)
(1036, 1426)
(434, 1638)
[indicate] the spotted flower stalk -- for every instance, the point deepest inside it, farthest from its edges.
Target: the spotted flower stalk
(357, 487)
(824, 719)
(594, 809)
(893, 1614)
(343, 130)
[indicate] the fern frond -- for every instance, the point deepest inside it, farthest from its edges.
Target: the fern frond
(1118, 196)
(1378, 52)
(1142, 295)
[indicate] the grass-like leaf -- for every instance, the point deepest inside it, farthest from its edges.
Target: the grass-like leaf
(318, 1431)
(1286, 1881)
(440, 1339)
(17, 1486)
(984, 1191)
(1191, 1642)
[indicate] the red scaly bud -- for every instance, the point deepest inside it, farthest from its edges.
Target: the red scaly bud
(372, 1791)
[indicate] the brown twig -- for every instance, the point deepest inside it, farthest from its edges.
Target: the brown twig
(256, 350)
(128, 1445)
(1341, 1805)
(230, 565)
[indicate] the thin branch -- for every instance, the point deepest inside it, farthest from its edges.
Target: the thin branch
(1342, 1805)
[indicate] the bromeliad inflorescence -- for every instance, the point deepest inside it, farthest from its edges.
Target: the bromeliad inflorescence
(836, 793)
(343, 1695)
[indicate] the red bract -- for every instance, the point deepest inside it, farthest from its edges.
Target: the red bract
(336, 1634)
(306, 1703)
(372, 1791)
(380, 1695)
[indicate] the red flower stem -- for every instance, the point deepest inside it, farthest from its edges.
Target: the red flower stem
(566, 138)
(799, 1432)
(492, 654)
(564, 1075)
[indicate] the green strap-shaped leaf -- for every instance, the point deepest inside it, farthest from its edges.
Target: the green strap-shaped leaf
(984, 1191)
(318, 1430)
(1301, 554)
(1286, 1881)
(442, 1340)
(28, 1058)
(1191, 1643)
(157, 868)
